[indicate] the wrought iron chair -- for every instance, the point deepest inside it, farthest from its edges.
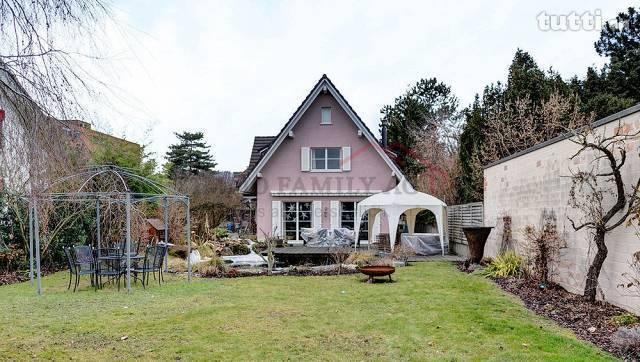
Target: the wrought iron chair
(110, 268)
(122, 246)
(70, 263)
(85, 264)
(152, 263)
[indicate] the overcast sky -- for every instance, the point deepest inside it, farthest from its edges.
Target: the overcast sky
(237, 69)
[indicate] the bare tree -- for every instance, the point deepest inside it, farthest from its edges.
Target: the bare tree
(213, 198)
(43, 78)
(521, 125)
(270, 241)
(40, 45)
(339, 255)
(439, 157)
(599, 192)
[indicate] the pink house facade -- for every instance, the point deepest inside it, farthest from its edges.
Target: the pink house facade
(313, 173)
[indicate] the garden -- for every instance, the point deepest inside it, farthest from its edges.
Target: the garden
(432, 311)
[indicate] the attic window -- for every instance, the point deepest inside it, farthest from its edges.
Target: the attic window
(326, 115)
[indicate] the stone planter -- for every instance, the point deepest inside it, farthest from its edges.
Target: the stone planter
(476, 239)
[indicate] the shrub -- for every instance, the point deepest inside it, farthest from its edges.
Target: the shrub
(403, 253)
(252, 237)
(240, 248)
(207, 250)
(220, 233)
(212, 268)
(507, 264)
(625, 319)
(231, 273)
(179, 251)
(339, 256)
(387, 261)
(259, 246)
(361, 258)
(543, 246)
(177, 265)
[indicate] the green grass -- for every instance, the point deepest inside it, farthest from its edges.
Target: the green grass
(431, 312)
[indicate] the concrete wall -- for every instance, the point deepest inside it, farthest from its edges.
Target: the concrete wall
(524, 186)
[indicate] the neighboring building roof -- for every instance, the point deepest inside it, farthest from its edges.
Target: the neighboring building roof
(93, 139)
(323, 84)
(601, 122)
(156, 224)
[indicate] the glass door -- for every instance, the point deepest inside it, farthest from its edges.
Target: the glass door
(297, 215)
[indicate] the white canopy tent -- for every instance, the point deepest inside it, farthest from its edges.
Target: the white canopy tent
(402, 199)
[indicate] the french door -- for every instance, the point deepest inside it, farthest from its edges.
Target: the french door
(348, 217)
(297, 215)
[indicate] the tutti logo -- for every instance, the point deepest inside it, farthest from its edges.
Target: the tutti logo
(574, 21)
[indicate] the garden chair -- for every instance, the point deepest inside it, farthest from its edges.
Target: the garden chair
(122, 247)
(110, 268)
(70, 263)
(85, 264)
(152, 263)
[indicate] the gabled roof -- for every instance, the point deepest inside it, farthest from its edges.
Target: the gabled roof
(323, 84)
(156, 223)
(260, 146)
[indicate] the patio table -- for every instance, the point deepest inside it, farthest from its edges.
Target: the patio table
(115, 267)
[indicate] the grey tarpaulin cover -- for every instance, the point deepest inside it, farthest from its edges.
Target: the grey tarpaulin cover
(422, 244)
(327, 237)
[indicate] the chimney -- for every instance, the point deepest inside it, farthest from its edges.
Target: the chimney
(383, 134)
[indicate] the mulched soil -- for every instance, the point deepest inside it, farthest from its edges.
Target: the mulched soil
(13, 277)
(568, 310)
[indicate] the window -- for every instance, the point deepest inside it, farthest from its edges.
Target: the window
(327, 159)
(347, 214)
(348, 217)
(297, 215)
(326, 115)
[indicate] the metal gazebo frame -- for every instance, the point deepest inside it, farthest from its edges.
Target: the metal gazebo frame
(160, 194)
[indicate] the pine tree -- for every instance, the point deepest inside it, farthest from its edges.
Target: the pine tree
(620, 42)
(425, 107)
(525, 81)
(189, 156)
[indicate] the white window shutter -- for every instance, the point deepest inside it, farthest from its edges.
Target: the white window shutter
(346, 158)
(335, 214)
(305, 155)
(317, 214)
(276, 218)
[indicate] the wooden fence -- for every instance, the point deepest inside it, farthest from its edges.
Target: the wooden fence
(459, 216)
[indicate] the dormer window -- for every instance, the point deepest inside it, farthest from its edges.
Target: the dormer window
(326, 115)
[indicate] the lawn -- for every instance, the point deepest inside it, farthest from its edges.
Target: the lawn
(432, 311)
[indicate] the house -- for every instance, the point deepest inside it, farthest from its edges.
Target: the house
(33, 143)
(18, 115)
(313, 173)
(93, 141)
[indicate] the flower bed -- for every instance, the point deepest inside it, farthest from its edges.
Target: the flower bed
(593, 322)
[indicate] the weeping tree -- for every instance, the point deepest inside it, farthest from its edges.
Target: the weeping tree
(48, 53)
(598, 191)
